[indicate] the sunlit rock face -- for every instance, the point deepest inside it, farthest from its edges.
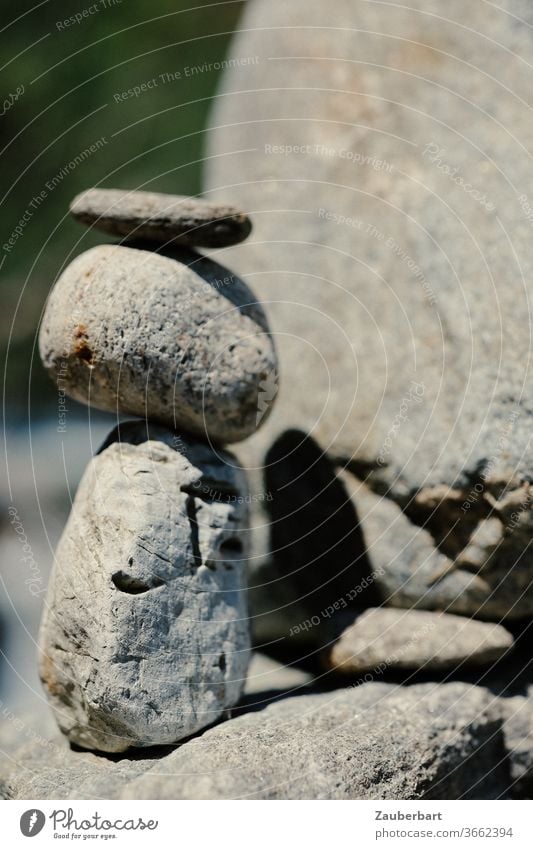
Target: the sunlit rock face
(385, 155)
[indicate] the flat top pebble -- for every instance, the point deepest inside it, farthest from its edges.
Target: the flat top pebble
(161, 217)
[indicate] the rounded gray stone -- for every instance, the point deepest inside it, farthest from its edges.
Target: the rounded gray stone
(145, 636)
(179, 339)
(161, 218)
(387, 638)
(376, 741)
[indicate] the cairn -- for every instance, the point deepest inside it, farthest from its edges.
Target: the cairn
(145, 637)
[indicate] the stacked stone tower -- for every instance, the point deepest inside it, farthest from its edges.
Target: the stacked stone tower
(145, 636)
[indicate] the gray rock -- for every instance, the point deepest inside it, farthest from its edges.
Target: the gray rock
(266, 675)
(145, 636)
(388, 164)
(39, 503)
(18, 728)
(161, 217)
(386, 638)
(410, 571)
(180, 340)
(369, 742)
(376, 741)
(518, 735)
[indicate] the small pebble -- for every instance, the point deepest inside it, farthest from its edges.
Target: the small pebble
(161, 218)
(390, 638)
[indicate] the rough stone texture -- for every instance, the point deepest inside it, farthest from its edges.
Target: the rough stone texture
(18, 728)
(518, 734)
(376, 741)
(413, 639)
(161, 217)
(389, 174)
(145, 635)
(176, 338)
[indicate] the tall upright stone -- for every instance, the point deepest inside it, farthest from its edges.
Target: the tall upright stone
(145, 637)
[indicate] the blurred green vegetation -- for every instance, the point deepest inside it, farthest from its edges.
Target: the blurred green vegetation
(72, 75)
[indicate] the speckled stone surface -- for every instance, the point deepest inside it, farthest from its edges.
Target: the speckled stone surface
(145, 636)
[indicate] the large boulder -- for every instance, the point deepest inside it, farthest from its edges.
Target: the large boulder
(384, 155)
(160, 217)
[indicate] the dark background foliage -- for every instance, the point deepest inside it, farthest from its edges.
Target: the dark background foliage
(71, 75)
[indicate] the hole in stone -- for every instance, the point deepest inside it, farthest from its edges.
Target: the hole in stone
(133, 586)
(222, 662)
(230, 549)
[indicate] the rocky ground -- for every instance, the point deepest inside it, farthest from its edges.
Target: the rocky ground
(292, 738)
(428, 706)
(36, 489)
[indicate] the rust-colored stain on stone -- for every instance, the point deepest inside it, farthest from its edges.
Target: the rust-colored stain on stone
(80, 348)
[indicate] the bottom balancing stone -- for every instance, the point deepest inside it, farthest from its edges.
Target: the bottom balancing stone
(145, 636)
